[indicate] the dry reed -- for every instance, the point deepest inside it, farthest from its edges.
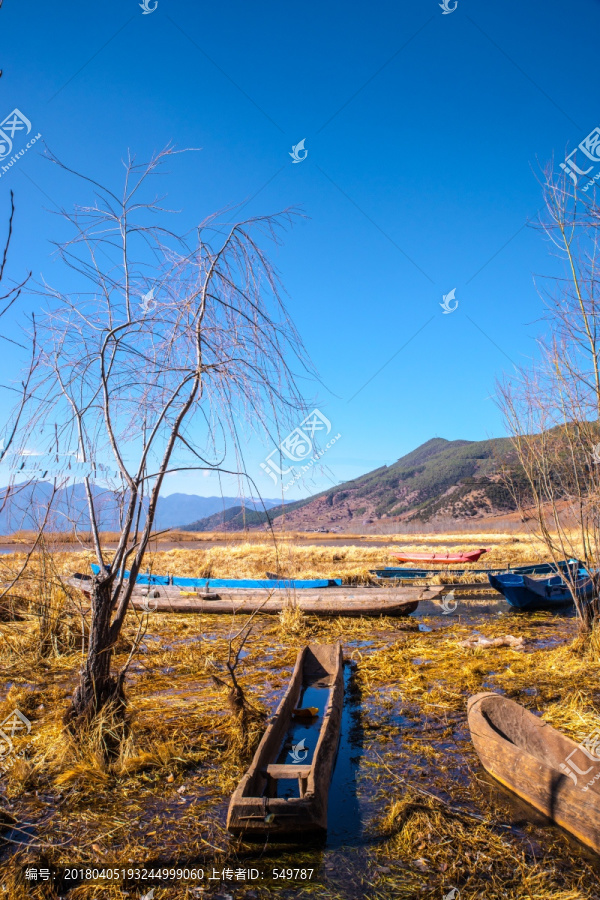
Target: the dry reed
(162, 800)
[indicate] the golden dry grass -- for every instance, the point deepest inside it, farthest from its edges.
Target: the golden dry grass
(253, 558)
(163, 800)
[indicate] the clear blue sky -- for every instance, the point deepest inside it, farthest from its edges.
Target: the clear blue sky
(424, 134)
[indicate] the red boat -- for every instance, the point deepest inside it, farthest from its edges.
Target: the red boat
(469, 556)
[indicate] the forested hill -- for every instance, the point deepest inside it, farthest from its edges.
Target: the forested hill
(439, 480)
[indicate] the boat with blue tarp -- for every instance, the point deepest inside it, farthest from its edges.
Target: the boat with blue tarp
(205, 584)
(534, 569)
(529, 594)
(230, 596)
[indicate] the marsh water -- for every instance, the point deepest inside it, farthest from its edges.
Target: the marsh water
(386, 744)
(361, 786)
(344, 820)
(339, 542)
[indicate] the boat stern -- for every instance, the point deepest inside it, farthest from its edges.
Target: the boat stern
(263, 816)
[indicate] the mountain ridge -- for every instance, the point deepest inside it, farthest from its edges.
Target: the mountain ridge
(28, 501)
(440, 479)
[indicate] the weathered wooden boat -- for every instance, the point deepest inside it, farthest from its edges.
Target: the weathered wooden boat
(402, 573)
(286, 787)
(466, 557)
(529, 594)
(343, 601)
(544, 767)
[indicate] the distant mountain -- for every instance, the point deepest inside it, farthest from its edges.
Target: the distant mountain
(176, 510)
(27, 504)
(238, 518)
(441, 479)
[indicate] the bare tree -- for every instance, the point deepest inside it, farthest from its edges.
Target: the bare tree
(243, 712)
(552, 407)
(165, 356)
(9, 294)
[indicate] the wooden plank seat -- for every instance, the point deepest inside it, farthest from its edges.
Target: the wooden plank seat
(280, 771)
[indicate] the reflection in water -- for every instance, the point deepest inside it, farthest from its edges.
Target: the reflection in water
(301, 739)
(344, 824)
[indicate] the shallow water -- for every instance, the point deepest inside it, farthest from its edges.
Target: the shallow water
(345, 826)
(301, 739)
(344, 820)
(374, 728)
(343, 860)
(312, 539)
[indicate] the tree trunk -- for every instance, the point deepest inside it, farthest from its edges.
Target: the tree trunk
(586, 619)
(97, 687)
(588, 613)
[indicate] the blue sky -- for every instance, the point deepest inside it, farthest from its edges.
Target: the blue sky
(425, 133)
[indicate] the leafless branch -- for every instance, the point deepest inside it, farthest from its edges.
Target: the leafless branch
(171, 349)
(552, 407)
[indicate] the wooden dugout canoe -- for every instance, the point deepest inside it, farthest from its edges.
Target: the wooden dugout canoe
(285, 790)
(544, 767)
(342, 601)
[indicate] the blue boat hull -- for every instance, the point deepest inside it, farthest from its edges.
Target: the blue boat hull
(232, 583)
(534, 569)
(529, 594)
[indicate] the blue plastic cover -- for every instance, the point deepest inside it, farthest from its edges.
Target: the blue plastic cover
(205, 583)
(256, 583)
